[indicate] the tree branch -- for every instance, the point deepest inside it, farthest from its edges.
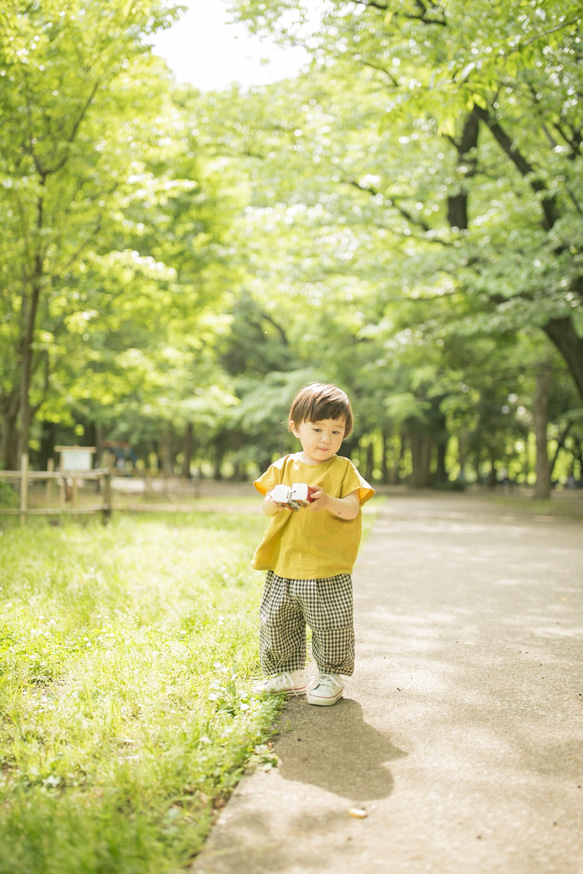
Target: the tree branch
(544, 33)
(560, 445)
(267, 318)
(430, 234)
(422, 17)
(369, 189)
(548, 202)
(380, 69)
(574, 140)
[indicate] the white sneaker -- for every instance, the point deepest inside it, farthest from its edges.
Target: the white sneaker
(327, 690)
(286, 683)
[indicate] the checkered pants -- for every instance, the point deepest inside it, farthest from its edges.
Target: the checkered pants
(287, 606)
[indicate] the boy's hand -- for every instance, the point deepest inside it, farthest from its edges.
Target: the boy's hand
(319, 499)
(271, 507)
(345, 508)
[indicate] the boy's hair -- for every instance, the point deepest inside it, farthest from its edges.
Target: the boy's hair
(318, 401)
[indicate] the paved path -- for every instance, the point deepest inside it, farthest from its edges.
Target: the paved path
(461, 733)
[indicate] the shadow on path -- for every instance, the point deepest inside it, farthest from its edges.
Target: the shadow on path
(335, 749)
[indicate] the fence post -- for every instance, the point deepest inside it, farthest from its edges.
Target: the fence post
(106, 495)
(23, 487)
(49, 485)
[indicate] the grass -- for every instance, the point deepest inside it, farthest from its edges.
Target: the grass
(127, 657)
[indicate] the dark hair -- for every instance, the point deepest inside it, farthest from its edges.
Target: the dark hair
(318, 401)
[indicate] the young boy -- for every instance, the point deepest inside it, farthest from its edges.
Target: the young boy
(309, 552)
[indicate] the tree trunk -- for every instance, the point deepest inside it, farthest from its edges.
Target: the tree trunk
(493, 475)
(457, 204)
(29, 313)
(369, 461)
(540, 414)
(441, 470)
(421, 446)
(578, 456)
(166, 453)
(442, 440)
(9, 447)
(187, 452)
(218, 463)
(47, 444)
(398, 475)
(563, 334)
(461, 457)
(385, 476)
(99, 444)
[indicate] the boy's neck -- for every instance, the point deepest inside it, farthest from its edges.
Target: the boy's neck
(300, 456)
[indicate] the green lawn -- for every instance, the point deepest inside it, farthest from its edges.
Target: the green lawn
(127, 656)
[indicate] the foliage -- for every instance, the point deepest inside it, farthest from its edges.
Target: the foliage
(404, 220)
(436, 158)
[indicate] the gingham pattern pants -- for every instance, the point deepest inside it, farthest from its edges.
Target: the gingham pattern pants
(288, 606)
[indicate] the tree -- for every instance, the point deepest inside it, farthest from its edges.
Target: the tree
(71, 83)
(513, 74)
(483, 111)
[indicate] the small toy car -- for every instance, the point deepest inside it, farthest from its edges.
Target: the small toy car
(296, 496)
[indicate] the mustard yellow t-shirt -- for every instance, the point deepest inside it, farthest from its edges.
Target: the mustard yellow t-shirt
(305, 544)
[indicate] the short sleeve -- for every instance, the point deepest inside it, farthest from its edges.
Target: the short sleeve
(353, 481)
(270, 478)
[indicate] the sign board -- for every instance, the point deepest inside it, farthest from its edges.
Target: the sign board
(76, 458)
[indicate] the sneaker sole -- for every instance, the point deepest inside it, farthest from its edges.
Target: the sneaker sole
(287, 692)
(325, 702)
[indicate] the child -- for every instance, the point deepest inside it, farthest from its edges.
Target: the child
(309, 553)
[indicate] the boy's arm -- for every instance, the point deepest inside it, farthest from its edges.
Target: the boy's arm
(345, 508)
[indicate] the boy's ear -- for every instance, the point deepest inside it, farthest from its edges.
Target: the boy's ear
(292, 427)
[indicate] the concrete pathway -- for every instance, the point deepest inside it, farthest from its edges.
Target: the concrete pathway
(461, 732)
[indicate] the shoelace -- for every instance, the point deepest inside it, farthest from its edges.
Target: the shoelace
(288, 682)
(327, 680)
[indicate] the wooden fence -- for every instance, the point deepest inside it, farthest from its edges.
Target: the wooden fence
(67, 483)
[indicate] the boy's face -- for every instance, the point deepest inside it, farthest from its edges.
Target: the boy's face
(320, 440)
